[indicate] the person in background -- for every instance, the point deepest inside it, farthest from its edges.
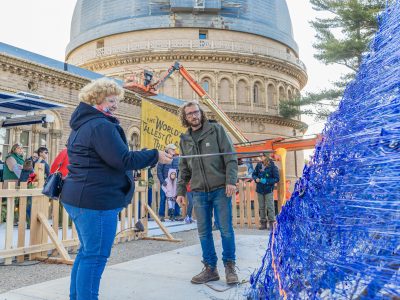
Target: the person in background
(34, 158)
(265, 175)
(28, 175)
(189, 196)
(169, 189)
(27, 171)
(213, 183)
(100, 181)
(60, 163)
(43, 153)
(13, 164)
(162, 174)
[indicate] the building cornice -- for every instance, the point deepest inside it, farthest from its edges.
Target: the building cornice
(270, 63)
(41, 72)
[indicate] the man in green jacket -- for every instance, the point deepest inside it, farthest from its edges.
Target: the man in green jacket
(213, 183)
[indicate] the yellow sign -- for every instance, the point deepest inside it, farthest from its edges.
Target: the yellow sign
(159, 127)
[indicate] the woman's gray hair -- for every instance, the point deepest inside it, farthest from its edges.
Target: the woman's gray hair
(99, 89)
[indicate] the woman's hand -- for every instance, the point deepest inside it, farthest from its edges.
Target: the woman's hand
(164, 158)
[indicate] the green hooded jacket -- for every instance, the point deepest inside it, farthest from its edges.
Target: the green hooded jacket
(207, 174)
(9, 174)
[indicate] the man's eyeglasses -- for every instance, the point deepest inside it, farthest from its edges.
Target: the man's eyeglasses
(193, 113)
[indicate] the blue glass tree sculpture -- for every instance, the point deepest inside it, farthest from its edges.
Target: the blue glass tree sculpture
(338, 237)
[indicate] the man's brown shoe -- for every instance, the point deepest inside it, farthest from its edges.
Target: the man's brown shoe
(207, 274)
(230, 273)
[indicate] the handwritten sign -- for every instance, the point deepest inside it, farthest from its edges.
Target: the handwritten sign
(159, 127)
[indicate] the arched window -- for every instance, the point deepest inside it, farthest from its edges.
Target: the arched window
(134, 143)
(224, 91)
(257, 94)
(206, 84)
(242, 93)
(290, 95)
(271, 95)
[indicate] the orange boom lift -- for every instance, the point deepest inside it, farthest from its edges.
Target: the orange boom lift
(145, 86)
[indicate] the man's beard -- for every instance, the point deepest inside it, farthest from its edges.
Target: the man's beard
(195, 122)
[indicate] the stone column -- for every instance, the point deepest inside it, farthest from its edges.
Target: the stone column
(35, 138)
(234, 78)
(251, 87)
(266, 94)
(55, 139)
(215, 87)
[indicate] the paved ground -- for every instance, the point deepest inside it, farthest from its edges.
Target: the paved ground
(13, 277)
(161, 276)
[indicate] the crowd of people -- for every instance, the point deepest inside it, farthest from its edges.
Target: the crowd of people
(17, 168)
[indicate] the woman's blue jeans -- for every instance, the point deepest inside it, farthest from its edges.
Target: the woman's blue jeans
(204, 204)
(96, 231)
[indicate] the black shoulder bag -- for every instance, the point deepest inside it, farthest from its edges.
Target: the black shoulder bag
(53, 185)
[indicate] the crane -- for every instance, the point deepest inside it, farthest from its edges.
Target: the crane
(147, 88)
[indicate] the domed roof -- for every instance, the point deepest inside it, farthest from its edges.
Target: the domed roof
(94, 19)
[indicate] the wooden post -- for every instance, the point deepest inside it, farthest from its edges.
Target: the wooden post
(64, 224)
(234, 211)
(123, 224)
(36, 229)
(60, 248)
(144, 203)
(162, 227)
(282, 178)
(256, 207)
(241, 203)
(9, 222)
(136, 207)
(74, 236)
(22, 221)
(248, 206)
(56, 215)
(129, 213)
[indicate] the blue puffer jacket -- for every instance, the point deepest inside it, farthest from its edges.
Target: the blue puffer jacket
(270, 175)
(162, 169)
(100, 163)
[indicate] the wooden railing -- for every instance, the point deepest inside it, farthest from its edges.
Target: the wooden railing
(245, 209)
(51, 229)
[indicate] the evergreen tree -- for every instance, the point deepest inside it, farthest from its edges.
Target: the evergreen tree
(343, 35)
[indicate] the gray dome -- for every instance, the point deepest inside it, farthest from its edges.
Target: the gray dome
(94, 19)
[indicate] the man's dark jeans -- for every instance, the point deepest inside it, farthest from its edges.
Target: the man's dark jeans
(204, 204)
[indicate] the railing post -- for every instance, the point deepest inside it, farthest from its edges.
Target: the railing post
(22, 221)
(9, 222)
(39, 205)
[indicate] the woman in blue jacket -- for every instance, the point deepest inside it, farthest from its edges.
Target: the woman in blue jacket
(100, 181)
(266, 174)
